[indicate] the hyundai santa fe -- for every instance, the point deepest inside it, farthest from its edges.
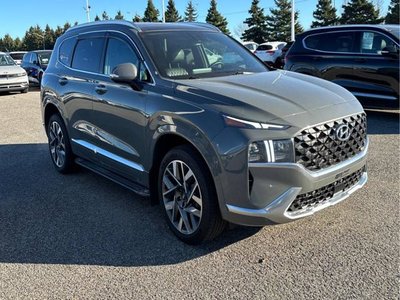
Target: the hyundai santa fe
(212, 141)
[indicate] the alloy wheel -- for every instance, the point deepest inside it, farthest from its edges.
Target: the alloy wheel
(182, 197)
(57, 144)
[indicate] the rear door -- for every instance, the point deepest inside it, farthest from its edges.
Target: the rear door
(332, 56)
(376, 77)
(76, 85)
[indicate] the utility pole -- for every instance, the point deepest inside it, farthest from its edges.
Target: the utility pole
(293, 21)
(87, 9)
(163, 11)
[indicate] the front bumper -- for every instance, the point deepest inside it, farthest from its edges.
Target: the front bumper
(276, 186)
(14, 85)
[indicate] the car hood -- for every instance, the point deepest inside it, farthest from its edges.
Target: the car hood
(267, 96)
(11, 70)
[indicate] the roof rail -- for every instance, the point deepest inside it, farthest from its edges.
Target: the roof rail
(206, 25)
(103, 22)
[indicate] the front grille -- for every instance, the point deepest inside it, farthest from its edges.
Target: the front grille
(9, 75)
(324, 193)
(318, 147)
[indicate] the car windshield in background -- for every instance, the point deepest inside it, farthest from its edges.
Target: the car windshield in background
(44, 57)
(264, 47)
(190, 54)
(6, 60)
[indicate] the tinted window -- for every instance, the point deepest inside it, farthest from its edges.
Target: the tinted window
(118, 52)
(66, 50)
(331, 42)
(27, 57)
(374, 43)
(87, 54)
(17, 56)
(264, 47)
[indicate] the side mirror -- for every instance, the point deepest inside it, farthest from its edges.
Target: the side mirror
(126, 73)
(390, 51)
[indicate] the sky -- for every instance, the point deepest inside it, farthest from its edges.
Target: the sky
(16, 17)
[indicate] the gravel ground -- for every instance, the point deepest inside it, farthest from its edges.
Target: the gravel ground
(82, 236)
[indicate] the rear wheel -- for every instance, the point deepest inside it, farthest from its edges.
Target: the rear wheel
(59, 145)
(188, 196)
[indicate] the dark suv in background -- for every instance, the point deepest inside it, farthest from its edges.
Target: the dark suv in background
(362, 58)
(213, 141)
(35, 63)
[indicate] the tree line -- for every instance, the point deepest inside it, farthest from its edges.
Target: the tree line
(259, 27)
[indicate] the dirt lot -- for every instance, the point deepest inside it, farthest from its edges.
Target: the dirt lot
(82, 236)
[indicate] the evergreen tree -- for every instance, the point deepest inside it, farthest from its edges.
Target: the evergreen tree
(33, 39)
(119, 16)
(324, 15)
(97, 18)
(216, 19)
(278, 23)
(105, 16)
(137, 18)
(49, 37)
(58, 32)
(190, 12)
(151, 13)
(67, 26)
(392, 16)
(18, 46)
(172, 14)
(360, 12)
(8, 43)
(257, 27)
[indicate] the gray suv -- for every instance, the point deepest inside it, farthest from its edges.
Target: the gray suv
(213, 141)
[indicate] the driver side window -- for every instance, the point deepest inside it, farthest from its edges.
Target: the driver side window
(119, 52)
(374, 43)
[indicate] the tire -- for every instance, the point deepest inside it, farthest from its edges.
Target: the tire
(59, 145)
(24, 91)
(190, 201)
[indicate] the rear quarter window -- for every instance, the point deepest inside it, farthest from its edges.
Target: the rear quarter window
(66, 50)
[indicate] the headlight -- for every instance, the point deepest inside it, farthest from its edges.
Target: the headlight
(21, 74)
(235, 122)
(271, 151)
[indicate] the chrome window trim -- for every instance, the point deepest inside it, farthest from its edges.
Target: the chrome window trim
(352, 30)
(152, 83)
(97, 150)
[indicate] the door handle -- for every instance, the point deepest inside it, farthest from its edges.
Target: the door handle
(63, 81)
(101, 89)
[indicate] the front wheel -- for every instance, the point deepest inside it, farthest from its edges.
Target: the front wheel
(59, 145)
(188, 196)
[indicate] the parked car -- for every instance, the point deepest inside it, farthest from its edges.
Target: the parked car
(139, 104)
(269, 52)
(364, 59)
(280, 62)
(35, 63)
(252, 46)
(17, 56)
(12, 76)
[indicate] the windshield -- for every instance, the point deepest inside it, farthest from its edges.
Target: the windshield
(6, 60)
(198, 54)
(44, 57)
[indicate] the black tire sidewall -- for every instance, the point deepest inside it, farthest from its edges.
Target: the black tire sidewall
(210, 210)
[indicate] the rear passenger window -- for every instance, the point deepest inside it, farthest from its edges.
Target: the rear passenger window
(118, 52)
(66, 50)
(87, 56)
(331, 42)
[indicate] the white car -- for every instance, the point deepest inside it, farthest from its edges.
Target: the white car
(17, 56)
(12, 76)
(252, 46)
(270, 52)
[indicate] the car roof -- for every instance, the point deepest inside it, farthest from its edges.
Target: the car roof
(148, 26)
(40, 51)
(356, 26)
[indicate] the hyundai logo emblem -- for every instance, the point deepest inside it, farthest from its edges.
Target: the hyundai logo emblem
(343, 132)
